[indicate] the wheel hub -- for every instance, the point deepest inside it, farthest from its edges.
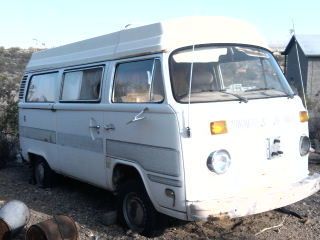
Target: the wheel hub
(134, 212)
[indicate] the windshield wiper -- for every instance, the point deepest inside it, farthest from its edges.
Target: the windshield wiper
(291, 95)
(258, 89)
(263, 89)
(242, 99)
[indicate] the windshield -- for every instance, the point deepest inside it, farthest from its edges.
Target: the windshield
(226, 73)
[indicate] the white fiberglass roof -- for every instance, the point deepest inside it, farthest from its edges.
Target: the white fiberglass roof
(142, 40)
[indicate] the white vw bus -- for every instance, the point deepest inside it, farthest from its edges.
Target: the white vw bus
(190, 118)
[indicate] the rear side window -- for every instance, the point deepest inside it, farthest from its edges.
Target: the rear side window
(138, 82)
(42, 88)
(82, 85)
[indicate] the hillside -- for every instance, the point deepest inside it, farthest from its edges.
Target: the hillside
(13, 60)
(12, 64)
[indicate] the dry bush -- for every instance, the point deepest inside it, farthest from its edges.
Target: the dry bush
(4, 150)
(12, 64)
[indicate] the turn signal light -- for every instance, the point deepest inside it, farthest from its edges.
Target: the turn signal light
(218, 127)
(304, 117)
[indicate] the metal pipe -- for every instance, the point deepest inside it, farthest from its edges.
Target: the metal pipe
(60, 227)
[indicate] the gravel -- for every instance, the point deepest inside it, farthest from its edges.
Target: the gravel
(90, 206)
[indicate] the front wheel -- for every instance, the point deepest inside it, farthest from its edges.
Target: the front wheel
(136, 210)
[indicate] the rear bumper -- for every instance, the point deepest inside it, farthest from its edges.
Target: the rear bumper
(260, 200)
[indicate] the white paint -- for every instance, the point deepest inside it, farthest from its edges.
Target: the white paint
(153, 38)
(252, 177)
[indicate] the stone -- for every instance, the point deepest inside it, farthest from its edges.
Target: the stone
(109, 218)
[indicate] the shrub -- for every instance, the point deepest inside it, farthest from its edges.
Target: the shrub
(9, 119)
(4, 150)
(8, 133)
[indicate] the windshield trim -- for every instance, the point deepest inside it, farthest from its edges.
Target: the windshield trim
(238, 100)
(286, 95)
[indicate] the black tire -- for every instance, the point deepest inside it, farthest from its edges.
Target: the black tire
(135, 210)
(43, 175)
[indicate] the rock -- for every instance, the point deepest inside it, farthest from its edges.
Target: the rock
(109, 218)
(132, 234)
(306, 220)
(314, 157)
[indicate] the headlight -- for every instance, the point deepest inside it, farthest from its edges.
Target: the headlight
(219, 161)
(304, 145)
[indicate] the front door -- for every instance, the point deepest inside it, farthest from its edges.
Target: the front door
(142, 128)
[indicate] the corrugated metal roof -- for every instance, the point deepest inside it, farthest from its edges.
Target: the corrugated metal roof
(310, 44)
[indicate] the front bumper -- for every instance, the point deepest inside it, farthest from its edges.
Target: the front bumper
(260, 200)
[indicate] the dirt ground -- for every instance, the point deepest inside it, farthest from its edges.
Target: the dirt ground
(87, 205)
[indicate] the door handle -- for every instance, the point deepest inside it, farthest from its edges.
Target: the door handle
(95, 127)
(138, 117)
(109, 127)
(53, 109)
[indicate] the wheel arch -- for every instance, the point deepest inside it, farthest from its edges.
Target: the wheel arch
(123, 171)
(34, 156)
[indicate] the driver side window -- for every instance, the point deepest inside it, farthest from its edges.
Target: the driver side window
(138, 82)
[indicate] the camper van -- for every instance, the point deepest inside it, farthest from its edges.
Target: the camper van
(189, 118)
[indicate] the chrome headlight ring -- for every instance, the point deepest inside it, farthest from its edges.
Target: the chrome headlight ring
(219, 161)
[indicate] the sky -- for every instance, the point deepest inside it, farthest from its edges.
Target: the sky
(51, 23)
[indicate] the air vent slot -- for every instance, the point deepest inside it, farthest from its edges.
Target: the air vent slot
(22, 86)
